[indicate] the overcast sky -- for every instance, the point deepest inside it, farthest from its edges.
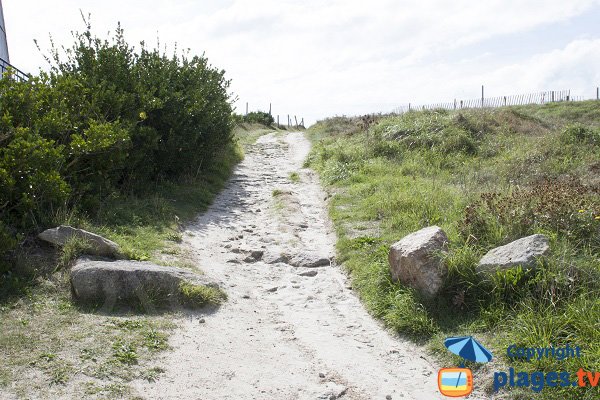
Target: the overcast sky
(331, 57)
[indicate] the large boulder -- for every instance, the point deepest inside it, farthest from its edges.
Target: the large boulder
(415, 260)
(99, 246)
(523, 252)
(129, 282)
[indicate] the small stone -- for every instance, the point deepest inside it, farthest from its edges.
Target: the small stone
(202, 320)
(273, 289)
(257, 254)
(388, 397)
(246, 296)
(310, 273)
(321, 375)
(309, 260)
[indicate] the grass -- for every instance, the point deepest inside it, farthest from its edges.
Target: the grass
(52, 348)
(197, 296)
(294, 177)
(486, 177)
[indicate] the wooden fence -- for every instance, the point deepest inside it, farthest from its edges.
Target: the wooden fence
(551, 96)
(293, 121)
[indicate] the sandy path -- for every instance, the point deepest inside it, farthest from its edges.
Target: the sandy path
(281, 335)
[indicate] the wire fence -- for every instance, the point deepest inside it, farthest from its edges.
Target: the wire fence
(551, 96)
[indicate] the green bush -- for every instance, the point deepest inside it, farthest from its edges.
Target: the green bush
(259, 117)
(107, 121)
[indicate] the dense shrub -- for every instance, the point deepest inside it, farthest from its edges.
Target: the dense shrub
(259, 117)
(107, 120)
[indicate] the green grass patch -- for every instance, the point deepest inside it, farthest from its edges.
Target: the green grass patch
(487, 177)
(198, 296)
(46, 340)
(294, 177)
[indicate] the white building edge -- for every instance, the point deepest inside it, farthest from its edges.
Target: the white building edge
(3, 42)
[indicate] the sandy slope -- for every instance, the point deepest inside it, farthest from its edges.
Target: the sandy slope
(281, 335)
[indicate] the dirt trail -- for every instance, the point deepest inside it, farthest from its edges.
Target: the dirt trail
(282, 335)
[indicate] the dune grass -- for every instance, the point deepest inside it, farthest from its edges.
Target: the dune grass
(487, 177)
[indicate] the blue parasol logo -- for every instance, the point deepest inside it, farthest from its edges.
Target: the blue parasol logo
(468, 348)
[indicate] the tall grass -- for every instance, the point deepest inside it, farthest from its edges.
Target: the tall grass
(486, 177)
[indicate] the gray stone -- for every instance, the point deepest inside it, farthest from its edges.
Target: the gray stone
(309, 273)
(99, 246)
(414, 261)
(274, 257)
(115, 282)
(523, 252)
(309, 260)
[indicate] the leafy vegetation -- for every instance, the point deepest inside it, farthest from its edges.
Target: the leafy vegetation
(108, 124)
(258, 117)
(487, 177)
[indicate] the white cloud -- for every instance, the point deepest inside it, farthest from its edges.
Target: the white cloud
(316, 58)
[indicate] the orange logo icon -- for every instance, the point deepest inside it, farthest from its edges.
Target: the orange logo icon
(455, 382)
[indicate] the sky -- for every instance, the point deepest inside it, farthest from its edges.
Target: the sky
(322, 58)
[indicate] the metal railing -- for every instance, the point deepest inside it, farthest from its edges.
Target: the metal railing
(12, 71)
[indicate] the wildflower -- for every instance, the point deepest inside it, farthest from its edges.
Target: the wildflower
(597, 217)
(143, 115)
(581, 211)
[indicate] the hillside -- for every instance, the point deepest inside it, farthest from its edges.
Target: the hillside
(487, 177)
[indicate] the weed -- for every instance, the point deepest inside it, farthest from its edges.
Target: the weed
(294, 177)
(124, 352)
(155, 341)
(197, 296)
(152, 374)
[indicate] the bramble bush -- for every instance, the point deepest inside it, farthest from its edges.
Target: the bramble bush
(106, 120)
(566, 208)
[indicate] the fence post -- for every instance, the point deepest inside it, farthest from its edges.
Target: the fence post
(246, 108)
(288, 120)
(455, 104)
(481, 96)
(597, 93)
(278, 120)
(269, 108)
(461, 104)
(296, 121)
(408, 106)
(553, 96)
